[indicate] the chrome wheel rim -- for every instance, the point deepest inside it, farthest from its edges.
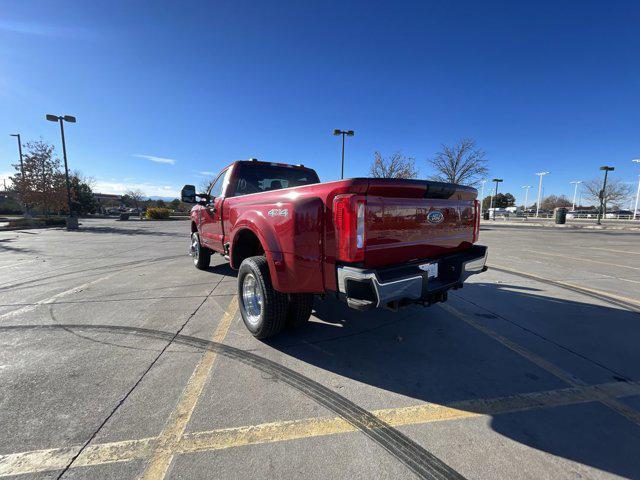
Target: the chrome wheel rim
(251, 299)
(194, 249)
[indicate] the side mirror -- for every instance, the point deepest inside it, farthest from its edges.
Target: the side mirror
(188, 194)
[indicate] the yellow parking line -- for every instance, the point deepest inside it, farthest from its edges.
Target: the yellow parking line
(611, 250)
(613, 404)
(166, 443)
(128, 450)
(582, 259)
(568, 284)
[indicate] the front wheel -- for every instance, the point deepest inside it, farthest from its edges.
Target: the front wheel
(263, 309)
(201, 255)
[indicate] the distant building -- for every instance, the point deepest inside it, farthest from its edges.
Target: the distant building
(107, 200)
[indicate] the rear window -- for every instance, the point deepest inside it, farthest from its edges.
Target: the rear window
(254, 178)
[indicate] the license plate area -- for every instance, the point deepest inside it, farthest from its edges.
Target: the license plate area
(430, 268)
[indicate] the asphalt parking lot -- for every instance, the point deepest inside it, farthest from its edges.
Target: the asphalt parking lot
(118, 359)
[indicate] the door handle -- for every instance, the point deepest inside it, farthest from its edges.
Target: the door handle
(211, 209)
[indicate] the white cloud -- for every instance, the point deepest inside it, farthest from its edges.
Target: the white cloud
(206, 174)
(149, 189)
(153, 158)
(41, 29)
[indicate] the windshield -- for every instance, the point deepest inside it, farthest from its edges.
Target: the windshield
(254, 178)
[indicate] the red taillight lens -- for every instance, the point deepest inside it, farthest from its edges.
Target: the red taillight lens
(348, 218)
(476, 224)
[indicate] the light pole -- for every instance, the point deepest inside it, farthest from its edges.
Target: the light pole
(17, 135)
(350, 133)
(526, 198)
(575, 192)
(636, 160)
(603, 203)
(482, 182)
(497, 180)
(72, 220)
(540, 174)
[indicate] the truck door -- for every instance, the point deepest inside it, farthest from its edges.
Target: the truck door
(212, 229)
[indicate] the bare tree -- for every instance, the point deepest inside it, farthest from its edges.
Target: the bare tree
(137, 196)
(616, 193)
(552, 201)
(206, 182)
(394, 166)
(464, 163)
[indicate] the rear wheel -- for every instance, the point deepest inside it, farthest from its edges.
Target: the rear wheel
(263, 309)
(299, 311)
(201, 254)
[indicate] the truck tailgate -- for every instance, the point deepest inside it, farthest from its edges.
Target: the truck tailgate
(417, 220)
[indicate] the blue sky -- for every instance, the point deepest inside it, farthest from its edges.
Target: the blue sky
(166, 90)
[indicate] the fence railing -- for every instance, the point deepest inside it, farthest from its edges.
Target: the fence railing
(570, 216)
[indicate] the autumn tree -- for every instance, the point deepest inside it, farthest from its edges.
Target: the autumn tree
(462, 163)
(40, 182)
(394, 166)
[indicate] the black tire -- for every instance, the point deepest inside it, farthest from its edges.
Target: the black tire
(299, 311)
(272, 315)
(201, 254)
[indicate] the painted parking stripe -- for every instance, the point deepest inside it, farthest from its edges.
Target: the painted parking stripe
(627, 302)
(165, 445)
(619, 407)
(582, 259)
(129, 450)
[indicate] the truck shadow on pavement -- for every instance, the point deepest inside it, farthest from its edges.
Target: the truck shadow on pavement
(432, 356)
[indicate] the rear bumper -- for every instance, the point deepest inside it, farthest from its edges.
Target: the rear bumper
(367, 288)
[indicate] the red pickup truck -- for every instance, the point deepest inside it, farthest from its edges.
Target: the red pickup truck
(371, 242)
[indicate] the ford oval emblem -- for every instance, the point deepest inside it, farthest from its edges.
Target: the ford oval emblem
(435, 217)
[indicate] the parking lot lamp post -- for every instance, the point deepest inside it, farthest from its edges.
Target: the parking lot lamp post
(72, 222)
(575, 192)
(349, 133)
(636, 160)
(603, 203)
(17, 135)
(497, 180)
(526, 197)
(482, 182)
(540, 174)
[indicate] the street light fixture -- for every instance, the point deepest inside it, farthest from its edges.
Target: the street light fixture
(540, 174)
(72, 220)
(575, 192)
(636, 160)
(349, 133)
(602, 195)
(497, 180)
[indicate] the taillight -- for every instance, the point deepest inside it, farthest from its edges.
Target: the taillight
(476, 223)
(348, 218)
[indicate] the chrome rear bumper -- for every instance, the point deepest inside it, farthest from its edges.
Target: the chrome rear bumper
(367, 288)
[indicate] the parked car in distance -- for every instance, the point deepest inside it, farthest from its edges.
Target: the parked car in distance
(370, 242)
(622, 214)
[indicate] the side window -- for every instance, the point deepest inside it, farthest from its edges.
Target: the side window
(220, 184)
